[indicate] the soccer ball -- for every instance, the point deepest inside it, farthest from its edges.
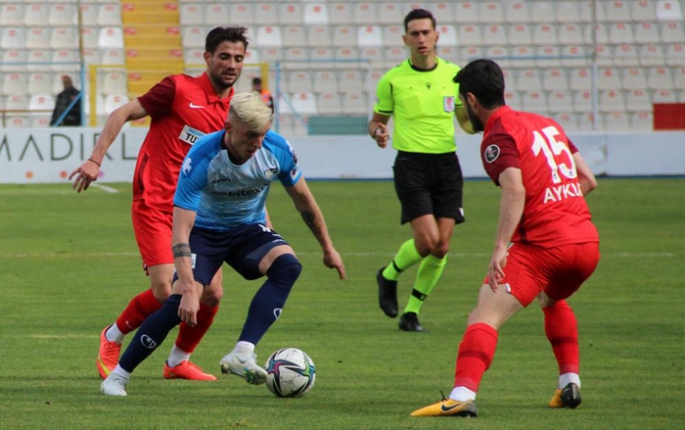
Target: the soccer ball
(291, 373)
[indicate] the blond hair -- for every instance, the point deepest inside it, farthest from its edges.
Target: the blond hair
(251, 109)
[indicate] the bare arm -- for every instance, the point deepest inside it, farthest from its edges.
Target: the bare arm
(585, 176)
(511, 209)
(463, 120)
(377, 129)
(186, 285)
(89, 170)
(311, 214)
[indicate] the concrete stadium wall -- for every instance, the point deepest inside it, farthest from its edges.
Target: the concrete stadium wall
(49, 155)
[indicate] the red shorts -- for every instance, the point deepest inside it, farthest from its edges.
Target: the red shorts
(559, 272)
(152, 228)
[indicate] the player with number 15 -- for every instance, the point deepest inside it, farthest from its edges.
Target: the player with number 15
(554, 244)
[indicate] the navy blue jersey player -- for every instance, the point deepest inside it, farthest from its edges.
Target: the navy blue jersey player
(219, 216)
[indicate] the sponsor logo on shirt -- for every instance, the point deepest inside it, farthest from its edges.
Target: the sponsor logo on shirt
(194, 106)
(491, 153)
(448, 103)
(186, 167)
(242, 193)
(189, 135)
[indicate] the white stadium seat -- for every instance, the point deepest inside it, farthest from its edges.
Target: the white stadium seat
(290, 14)
(672, 32)
(517, 12)
(315, 14)
(520, 34)
(659, 78)
(41, 102)
(38, 38)
(364, 13)
(643, 10)
(675, 54)
(392, 35)
(621, 32)
(329, 103)
(13, 38)
(611, 100)
(668, 10)
(192, 14)
(319, 36)
(646, 32)
(111, 37)
(642, 121)
(664, 96)
(494, 34)
(369, 35)
(14, 84)
(325, 81)
(344, 36)
(340, 14)
(269, 37)
(11, 15)
(292, 35)
(638, 100)
(354, 103)
(109, 15)
(468, 35)
(266, 14)
(652, 55)
(36, 15)
(466, 13)
(62, 15)
(491, 13)
(114, 101)
(241, 14)
(64, 38)
(39, 83)
(618, 11)
(545, 34)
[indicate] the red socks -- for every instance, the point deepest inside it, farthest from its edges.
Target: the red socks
(561, 328)
(140, 307)
(189, 337)
(476, 351)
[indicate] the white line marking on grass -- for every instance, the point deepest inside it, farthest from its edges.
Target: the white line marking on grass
(63, 336)
(106, 188)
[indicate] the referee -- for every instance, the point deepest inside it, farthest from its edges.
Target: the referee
(422, 97)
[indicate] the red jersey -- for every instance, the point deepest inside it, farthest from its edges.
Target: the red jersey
(183, 109)
(555, 211)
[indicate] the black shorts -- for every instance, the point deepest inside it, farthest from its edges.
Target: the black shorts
(242, 248)
(429, 184)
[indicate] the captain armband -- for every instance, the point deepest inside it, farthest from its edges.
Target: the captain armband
(181, 250)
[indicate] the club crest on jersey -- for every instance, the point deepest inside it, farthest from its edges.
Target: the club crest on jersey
(189, 135)
(269, 173)
(491, 153)
(448, 103)
(186, 168)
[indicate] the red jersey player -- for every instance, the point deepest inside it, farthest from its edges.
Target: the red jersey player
(555, 246)
(182, 109)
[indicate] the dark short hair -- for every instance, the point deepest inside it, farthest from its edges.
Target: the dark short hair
(256, 81)
(418, 14)
(484, 79)
(219, 35)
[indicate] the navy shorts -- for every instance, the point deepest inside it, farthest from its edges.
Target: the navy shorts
(242, 248)
(429, 184)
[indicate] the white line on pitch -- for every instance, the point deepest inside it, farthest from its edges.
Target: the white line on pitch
(105, 188)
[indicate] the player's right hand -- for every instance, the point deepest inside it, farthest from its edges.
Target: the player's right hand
(190, 305)
(381, 135)
(85, 174)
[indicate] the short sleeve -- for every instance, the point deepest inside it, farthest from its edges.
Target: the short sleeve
(290, 172)
(159, 100)
(384, 104)
(571, 146)
(457, 102)
(499, 152)
(192, 179)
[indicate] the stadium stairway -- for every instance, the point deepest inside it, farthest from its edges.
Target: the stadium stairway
(152, 41)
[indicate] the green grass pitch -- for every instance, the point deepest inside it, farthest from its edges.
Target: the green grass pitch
(69, 265)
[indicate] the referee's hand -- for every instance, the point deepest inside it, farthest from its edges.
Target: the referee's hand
(381, 135)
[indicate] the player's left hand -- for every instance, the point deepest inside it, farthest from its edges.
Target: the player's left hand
(495, 272)
(332, 260)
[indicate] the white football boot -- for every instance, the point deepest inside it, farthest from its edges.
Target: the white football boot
(114, 385)
(243, 365)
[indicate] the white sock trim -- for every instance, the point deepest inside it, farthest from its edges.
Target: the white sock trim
(242, 347)
(121, 372)
(113, 334)
(177, 356)
(569, 378)
(462, 394)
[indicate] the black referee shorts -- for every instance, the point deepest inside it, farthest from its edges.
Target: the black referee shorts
(429, 184)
